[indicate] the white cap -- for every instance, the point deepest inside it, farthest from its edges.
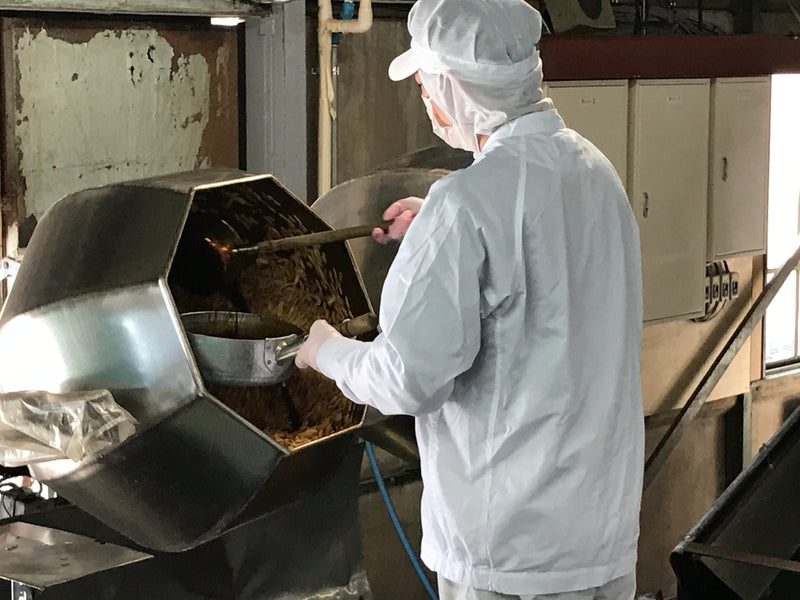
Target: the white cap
(403, 66)
(468, 37)
(477, 59)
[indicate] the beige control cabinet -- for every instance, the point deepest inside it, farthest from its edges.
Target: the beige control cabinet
(739, 166)
(668, 188)
(598, 110)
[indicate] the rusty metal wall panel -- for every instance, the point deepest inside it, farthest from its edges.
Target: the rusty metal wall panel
(96, 102)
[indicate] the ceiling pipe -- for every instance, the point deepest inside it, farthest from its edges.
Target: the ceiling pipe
(326, 26)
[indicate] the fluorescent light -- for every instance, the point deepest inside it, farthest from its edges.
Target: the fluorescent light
(226, 21)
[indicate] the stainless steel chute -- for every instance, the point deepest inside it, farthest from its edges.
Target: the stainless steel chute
(96, 305)
(747, 544)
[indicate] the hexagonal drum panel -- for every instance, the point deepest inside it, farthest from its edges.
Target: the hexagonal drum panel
(97, 304)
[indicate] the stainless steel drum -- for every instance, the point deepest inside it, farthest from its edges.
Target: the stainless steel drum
(438, 156)
(363, 200)
(96, 305)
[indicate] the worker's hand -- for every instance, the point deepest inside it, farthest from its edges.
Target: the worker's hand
(402, 212)
(307, 355)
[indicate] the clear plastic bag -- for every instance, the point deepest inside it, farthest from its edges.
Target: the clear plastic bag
(42, 426)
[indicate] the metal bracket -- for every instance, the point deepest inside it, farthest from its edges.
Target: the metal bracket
(761, 560)
(20, 591)
(8, 268)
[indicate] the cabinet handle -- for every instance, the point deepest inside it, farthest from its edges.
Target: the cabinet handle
(646, 205)
(724, 168)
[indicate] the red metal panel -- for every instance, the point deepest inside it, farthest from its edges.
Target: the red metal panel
(668, 56)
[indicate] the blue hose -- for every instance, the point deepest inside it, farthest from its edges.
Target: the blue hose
(348, 12)
(396, 522)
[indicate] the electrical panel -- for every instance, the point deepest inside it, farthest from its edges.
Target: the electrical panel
(693, 155)
(598, 110)
(739, 166)
(668, 189)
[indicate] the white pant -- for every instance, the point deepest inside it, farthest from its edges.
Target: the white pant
(622, 588)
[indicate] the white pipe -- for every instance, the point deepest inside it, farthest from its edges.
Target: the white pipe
(327, 25)
(335, 122)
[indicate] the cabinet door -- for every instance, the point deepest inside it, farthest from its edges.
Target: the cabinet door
(668, 188)
(739, 166)
(598, 110)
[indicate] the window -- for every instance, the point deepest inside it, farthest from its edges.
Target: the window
(781, 325)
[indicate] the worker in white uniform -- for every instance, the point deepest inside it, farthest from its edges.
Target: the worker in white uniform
(511, 327)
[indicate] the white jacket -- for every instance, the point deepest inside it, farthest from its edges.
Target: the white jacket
(511, 322)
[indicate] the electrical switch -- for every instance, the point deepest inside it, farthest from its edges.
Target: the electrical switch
(716, 285)
(725, 286)
(734, 285)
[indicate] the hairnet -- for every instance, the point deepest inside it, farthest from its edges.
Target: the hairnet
(477, 59)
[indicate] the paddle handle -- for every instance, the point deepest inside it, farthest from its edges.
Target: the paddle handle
(349, 328)
(312, 239)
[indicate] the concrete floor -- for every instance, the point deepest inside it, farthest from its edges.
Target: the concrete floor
(391, 574)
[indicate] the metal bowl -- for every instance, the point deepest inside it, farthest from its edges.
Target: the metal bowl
(234, 348)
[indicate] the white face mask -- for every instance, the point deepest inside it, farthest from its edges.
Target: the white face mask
(455, 136)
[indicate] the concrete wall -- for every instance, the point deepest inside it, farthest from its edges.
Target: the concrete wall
(379, 119)
(689, 482)
(275, 61)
